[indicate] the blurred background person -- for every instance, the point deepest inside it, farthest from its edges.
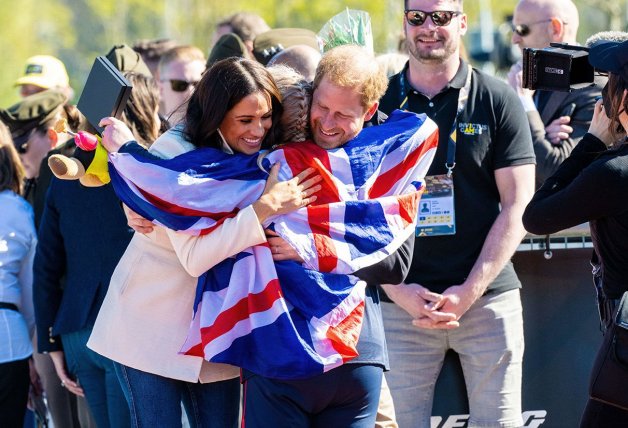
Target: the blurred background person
(82, 236)
(558, 120)
(302, 58)
(179, 70)
(30, 122)
(392, 63)
(245, 25)
(152, 50)
(17, 322)
(43, 72)
(574, 195)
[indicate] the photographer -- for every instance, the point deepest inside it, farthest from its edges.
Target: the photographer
(558, 120)
(573, 195)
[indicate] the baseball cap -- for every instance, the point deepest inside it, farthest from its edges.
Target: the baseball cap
(31, 112)
(610, 56)
(44, 71)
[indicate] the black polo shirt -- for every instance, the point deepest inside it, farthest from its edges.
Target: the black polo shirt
(492, 133)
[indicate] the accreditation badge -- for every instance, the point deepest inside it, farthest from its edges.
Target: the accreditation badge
(436, 207)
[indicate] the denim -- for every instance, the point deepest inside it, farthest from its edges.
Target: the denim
(97, 377)
(490, 345)
(155, 401)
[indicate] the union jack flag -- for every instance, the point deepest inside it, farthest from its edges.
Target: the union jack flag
(285, 319)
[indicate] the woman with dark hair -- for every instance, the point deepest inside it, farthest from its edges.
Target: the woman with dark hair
(574, 195)
(17, 321)
(146, 314)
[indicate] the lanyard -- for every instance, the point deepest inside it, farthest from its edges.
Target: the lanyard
(463, 96)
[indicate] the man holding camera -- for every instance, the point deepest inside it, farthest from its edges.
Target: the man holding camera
(462, 292)
(558, 120)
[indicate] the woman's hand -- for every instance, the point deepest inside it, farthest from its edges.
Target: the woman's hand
(58, 359)
(600, 124)
(137, 222)
(281, 249)
(281, 197)
(115, 135)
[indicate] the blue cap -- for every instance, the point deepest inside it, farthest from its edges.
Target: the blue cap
(610, 56)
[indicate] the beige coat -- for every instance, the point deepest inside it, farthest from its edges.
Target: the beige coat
(145, 316)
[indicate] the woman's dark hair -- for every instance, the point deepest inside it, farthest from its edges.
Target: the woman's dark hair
(140, 113)
(615, 91)
(223, 86)
(11, 171)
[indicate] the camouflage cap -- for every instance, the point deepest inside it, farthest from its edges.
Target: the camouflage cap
(227, 46)
(30, 113)
(124, 58)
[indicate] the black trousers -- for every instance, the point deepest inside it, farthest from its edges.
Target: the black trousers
(14, 384)
(601, 415)
(597, 414)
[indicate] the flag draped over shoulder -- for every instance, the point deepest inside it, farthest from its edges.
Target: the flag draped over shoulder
(285, 319)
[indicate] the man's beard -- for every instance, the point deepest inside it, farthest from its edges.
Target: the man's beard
(431, 55)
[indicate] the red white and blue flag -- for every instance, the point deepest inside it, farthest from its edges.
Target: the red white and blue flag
(288, 320)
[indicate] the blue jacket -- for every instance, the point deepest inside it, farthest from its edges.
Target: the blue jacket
(82, 236)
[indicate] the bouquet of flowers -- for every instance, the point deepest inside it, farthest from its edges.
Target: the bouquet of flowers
(348, 27)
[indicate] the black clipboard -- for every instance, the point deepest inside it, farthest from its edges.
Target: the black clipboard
(106, 93)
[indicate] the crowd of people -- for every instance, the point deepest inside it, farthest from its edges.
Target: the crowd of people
(99, 299)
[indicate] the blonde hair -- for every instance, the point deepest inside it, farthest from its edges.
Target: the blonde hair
(11, 170)
(187, 53)
(296, 93)
(352, 66)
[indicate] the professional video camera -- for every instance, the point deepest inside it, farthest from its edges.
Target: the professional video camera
(559, 67)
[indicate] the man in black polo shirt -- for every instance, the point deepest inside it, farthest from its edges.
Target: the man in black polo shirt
(462, 292)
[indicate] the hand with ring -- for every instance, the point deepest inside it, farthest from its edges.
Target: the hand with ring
(281, 197)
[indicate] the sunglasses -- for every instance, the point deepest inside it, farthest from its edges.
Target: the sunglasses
(523, 30)
(440, 18)
(179, 85)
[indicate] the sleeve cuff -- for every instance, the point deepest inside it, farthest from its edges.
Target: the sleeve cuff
(249, 217)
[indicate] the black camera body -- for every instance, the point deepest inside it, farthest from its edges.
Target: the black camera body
(559, 67)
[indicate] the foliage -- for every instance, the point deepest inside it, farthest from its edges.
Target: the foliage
(77, 31)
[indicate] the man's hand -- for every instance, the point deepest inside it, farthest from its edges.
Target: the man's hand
(422, 305)
(137, 222)
(558, 130)
(281, 249)
(58, 359)
(456, 301)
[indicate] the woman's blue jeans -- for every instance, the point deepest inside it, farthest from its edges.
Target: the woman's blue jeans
(98, 379)
(155, 401)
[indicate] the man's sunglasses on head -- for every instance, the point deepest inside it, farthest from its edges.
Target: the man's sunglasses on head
(440, 18)
(179, 85)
